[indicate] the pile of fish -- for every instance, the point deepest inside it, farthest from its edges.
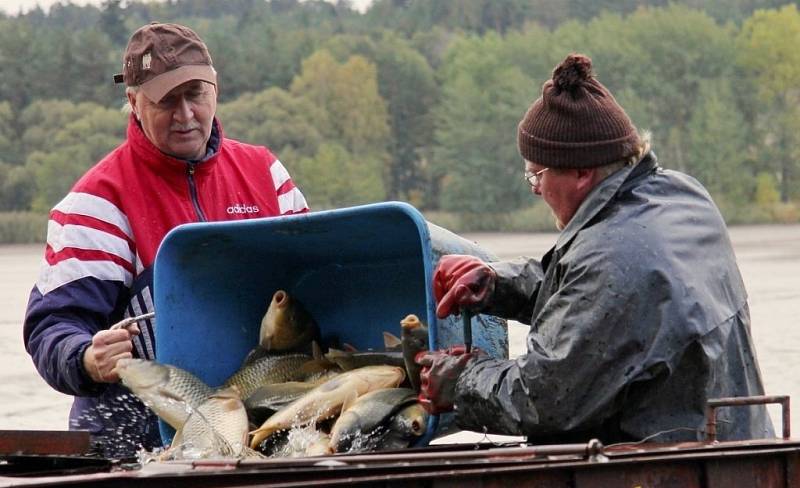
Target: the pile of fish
(289, 398)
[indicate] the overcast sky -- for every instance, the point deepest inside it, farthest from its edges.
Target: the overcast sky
(13, 6)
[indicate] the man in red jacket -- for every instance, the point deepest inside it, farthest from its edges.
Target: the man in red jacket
(175, 167)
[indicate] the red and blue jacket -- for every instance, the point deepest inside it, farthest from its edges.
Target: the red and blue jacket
(101, 243)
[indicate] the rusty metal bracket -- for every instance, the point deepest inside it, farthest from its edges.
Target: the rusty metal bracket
(714, 403)
(594, 450)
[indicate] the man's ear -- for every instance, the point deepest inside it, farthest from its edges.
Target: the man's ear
(132, 102)
(585, 178)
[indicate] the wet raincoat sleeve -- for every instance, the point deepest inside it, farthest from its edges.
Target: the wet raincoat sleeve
(587, 348)
(515, 288)
(566, 380)
(640, 318)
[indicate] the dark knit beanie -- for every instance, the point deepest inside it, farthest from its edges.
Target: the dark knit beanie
(576, 123)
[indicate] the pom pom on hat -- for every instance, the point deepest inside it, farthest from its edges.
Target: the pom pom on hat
(576, 123)
(572, 73)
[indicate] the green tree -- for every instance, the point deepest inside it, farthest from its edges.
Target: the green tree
(276, 119)
(767, 54)
(17, 51)
(9, 147)
(717, 150)
(17, 187)
(683, 48)
(348, 93)
(475, 158)
(112, 21)
(406, 82)
(655, 60)
(334, 178)
(92, 63)
(88, 134)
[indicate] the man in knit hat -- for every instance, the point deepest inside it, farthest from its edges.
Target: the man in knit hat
(638, 314)
(176, 166)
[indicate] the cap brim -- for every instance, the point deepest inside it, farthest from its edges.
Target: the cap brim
(159, 86)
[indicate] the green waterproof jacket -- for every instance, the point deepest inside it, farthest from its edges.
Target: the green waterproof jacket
(638, 316)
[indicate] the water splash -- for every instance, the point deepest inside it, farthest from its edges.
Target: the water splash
(301, 439)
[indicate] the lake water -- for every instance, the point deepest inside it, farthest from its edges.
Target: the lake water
(769, 258)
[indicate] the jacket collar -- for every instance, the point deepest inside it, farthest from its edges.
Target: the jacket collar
(602, 194)
(152, 156)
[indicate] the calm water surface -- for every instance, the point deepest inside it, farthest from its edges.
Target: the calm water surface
(769, 258)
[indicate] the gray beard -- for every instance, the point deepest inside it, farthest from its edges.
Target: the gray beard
(559, 225)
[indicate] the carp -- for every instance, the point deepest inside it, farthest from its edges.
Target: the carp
(268, 399)
(354, 360)
(171, 392)
(267, 370)
(408, 425)
(329, 398)
(287, 325)
(318, 369)
(363, 425)
(414, 336)
(217, 428)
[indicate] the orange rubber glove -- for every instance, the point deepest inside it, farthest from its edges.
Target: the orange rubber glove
(440, 372)
(462, 282)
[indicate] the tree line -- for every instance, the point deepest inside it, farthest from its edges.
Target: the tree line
(418, 100)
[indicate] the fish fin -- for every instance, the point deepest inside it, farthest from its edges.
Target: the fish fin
(259, 435)
(165, 392)
(334, 353)
(391, 341)
(349, 347)
(177, 439)
(316, 350)
(227, 392)
(349, 400)
(339, 358)
(255, 354)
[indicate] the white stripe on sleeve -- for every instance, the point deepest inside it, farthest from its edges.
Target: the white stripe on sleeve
(68, 270)
(82, 237)
(279, 174)
(292, 201)
(94, 206)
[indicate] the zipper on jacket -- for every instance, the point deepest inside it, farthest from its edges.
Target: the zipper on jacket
(193, 193)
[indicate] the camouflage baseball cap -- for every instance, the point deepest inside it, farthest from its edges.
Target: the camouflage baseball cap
(160, 57)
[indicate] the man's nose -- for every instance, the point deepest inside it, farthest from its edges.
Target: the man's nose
(183, 110)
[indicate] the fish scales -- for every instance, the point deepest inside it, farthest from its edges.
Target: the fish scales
(169, 391)
(368, 419)
(414, 337)
(268, 399)
(353, 360)
(327, 399)
(217, 428)
(267, 370)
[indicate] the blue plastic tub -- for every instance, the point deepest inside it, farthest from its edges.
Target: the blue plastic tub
(357, 270)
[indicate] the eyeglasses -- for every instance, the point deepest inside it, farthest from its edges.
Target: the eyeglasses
(534, 179)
